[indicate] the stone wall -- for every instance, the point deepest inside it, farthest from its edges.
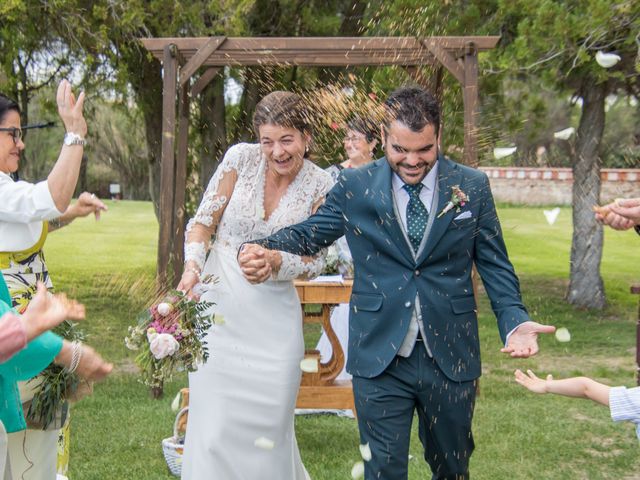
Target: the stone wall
(553, 186)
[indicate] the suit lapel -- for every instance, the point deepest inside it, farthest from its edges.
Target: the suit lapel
(381, 186)
(448, 176)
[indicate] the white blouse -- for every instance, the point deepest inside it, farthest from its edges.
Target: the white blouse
(23, 208)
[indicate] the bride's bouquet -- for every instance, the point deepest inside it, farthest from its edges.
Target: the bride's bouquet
(170, 336)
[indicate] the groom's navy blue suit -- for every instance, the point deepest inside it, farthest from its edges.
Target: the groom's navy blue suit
(388, 278)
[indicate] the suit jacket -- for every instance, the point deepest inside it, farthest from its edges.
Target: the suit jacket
(387, 277)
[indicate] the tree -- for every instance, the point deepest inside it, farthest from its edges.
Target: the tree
(557, 41)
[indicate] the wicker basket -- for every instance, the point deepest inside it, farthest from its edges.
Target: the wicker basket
(173, 447)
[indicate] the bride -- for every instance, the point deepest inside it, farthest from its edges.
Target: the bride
(241, 402)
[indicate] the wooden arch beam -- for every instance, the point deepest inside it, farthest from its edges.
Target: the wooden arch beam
(198, 59)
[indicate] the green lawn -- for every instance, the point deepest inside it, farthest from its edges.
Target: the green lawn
(116, 433)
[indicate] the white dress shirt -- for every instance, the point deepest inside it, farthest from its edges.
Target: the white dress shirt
(401, 196)
(23, 208)
(401, 200)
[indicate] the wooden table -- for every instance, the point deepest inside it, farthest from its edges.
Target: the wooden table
(321, 389)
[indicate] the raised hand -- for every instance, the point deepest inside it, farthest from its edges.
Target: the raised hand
(531, 382)
(254, 263)
(622, 214)
(523, 342)
(86, 204)
(45, 311)
(70, 109)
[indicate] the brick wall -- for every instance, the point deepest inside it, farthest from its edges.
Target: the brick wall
(553, 186)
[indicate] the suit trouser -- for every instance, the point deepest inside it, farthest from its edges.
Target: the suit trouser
(385, 405)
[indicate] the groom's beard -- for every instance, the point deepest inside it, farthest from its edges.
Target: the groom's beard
(396, 167)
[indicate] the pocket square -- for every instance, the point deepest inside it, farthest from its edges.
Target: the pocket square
(463, 215)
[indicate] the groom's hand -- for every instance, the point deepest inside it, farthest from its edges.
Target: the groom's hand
(523, 341)
(253, 260)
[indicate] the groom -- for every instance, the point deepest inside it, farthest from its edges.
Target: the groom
(415, 223)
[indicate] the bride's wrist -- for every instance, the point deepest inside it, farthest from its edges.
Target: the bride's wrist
(275, 260)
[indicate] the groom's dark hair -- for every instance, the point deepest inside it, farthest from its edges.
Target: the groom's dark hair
(413, 107)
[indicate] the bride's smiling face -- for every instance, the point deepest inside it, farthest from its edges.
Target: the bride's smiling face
(284, 148)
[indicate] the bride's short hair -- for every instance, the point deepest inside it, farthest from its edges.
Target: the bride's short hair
(286, 109)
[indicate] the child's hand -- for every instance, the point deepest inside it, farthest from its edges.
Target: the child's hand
(531, 382)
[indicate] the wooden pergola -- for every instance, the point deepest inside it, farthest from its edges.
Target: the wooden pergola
(203, 58)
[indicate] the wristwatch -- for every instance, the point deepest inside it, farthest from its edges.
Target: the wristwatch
(71, 138)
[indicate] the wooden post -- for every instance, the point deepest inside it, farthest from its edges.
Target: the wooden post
(167, 175)
(635, 288)
(470, 98)
(180, 182)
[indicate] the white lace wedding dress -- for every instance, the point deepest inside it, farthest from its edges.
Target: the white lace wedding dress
(241, 402)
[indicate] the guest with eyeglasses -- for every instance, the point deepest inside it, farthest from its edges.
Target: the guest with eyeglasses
(360, 144)
(28, 212)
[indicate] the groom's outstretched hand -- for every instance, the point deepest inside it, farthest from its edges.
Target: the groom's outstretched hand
(523, 341)
(254, 263)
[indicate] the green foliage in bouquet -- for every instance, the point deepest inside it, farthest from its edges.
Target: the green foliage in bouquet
(55, 385)
(170, 336)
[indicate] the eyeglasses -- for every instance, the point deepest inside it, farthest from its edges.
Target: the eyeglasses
(353, 139)
(15, 132)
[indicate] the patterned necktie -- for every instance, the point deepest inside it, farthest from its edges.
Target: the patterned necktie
(417, 215)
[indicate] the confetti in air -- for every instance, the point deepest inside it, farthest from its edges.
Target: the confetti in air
(502, 152)
(365, 452)
(264, 443)
(565, 134)
(607, 60)
(551, 215)
(309, 365)
(563, 335)
(358, 470)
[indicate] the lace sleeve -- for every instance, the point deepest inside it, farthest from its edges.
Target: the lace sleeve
(303, 268)
(203, 225)
(306, 267)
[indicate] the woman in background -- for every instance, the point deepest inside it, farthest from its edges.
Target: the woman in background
(360, 143)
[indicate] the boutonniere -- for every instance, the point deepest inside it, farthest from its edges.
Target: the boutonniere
(458, 199)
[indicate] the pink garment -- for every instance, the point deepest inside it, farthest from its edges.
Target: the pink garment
(12, 336)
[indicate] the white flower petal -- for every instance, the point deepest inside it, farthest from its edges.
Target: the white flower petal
(164, 309)
(365, 452)
(358, 470)
(175, 405)
(218, 319)
(502, 152)
(309, 365)
(564, 134)
(607, 60)
(563, 335)
(551, 215)
(264, 443)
